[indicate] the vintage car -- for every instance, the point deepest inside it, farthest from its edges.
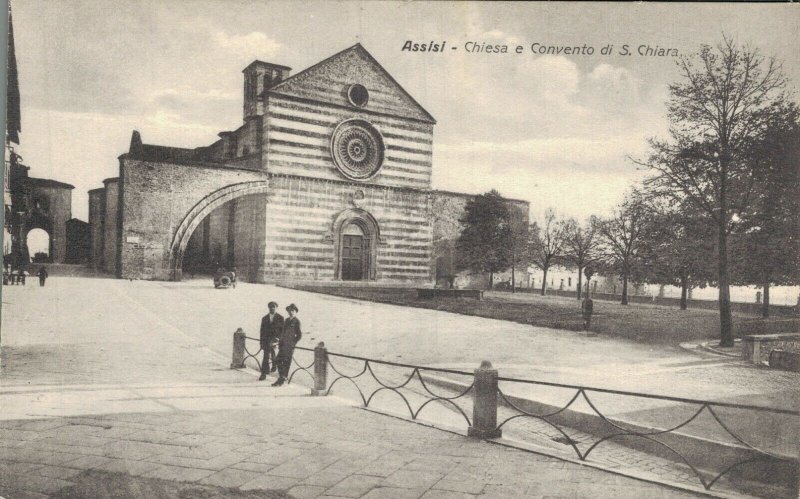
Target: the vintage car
(224, 279)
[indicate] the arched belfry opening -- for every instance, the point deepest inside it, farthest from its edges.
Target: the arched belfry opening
(356, 237)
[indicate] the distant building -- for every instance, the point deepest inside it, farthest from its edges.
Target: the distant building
(78, 241)
(13, 127)
(29, 203)
(328, 179)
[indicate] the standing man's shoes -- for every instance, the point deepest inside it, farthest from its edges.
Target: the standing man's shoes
(262, 377)
(279, 382)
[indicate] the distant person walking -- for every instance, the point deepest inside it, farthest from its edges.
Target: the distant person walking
(271, 329)
(42, 275)
(587, 307)
(289, 337)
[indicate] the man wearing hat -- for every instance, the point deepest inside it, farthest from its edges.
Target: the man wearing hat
(271, 329)
(288, 339)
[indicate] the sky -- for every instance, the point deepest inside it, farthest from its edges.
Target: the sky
(556, 130)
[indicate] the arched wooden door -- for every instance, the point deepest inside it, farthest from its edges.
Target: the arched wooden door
(354, 253)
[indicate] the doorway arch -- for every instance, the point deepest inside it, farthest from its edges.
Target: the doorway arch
(356, 235)
(199, 212)
(39, 244)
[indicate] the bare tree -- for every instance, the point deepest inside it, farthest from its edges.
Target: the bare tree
(580, 246)
(547, 244)
(726, 97)
(622, 237)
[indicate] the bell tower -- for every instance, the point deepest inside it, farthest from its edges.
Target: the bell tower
(259, 77)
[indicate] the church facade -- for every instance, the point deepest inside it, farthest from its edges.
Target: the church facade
(328, 179)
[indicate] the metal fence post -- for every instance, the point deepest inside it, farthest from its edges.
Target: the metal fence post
(237, 362)
(320, 370)
(484, 403)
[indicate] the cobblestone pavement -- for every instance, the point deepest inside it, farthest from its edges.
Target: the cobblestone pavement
(325, 452)
(81, 347)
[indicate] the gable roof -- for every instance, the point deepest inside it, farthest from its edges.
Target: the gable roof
(352, 65)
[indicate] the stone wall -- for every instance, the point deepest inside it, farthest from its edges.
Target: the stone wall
(248, 236)
(447, 209)
(756, 348)
(78, 241)
(54, 201)
(157, 199)
(219, 232)
(97, 202)
(111, 226)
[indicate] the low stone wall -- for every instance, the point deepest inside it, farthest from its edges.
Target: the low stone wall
(756, 348)
(747, 308)
(430, 293)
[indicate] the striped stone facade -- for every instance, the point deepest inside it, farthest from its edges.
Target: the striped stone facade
(299, 134)
(328, 179)
(302, 232)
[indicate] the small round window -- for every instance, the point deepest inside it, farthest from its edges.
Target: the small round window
(358, 95)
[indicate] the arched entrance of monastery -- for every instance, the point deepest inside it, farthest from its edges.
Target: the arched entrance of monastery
(39, 245)
(241, 207)
(356, 236)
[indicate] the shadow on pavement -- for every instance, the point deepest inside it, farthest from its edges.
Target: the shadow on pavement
(92, 484)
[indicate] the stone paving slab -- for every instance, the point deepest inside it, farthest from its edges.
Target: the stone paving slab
(324, 459)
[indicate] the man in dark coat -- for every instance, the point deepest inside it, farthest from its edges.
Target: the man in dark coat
(587, 308)
(288, 339)
(42, 275)
(271, 329)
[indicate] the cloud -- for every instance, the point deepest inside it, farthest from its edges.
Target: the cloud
(580, 176)
(166, 120)
(254, 43)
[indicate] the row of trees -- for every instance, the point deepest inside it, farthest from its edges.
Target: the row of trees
(721, 206)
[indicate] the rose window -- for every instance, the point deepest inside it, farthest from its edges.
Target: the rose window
(357, 149)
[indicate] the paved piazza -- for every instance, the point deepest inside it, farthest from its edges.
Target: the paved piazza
(132, 377)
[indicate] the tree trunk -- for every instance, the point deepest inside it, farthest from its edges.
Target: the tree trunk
(491, 280)
(513, 279)
(765, 303)
(725, 315)
(580, 281)
(625, 288)
(544, 281)
(684, 292)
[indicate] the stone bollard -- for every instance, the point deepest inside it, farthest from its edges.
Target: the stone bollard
(484, 403)
(320, 370)
(237, 362)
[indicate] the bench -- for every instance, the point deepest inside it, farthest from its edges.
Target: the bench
(430, 293)
(757, 348)
(781, 359)
(9, 278)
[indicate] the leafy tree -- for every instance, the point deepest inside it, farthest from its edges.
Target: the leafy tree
(679, 250)
(767, 248)
(580, 246)
(725, 98)
(485, 241)
(546, 243)
(622, 238)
